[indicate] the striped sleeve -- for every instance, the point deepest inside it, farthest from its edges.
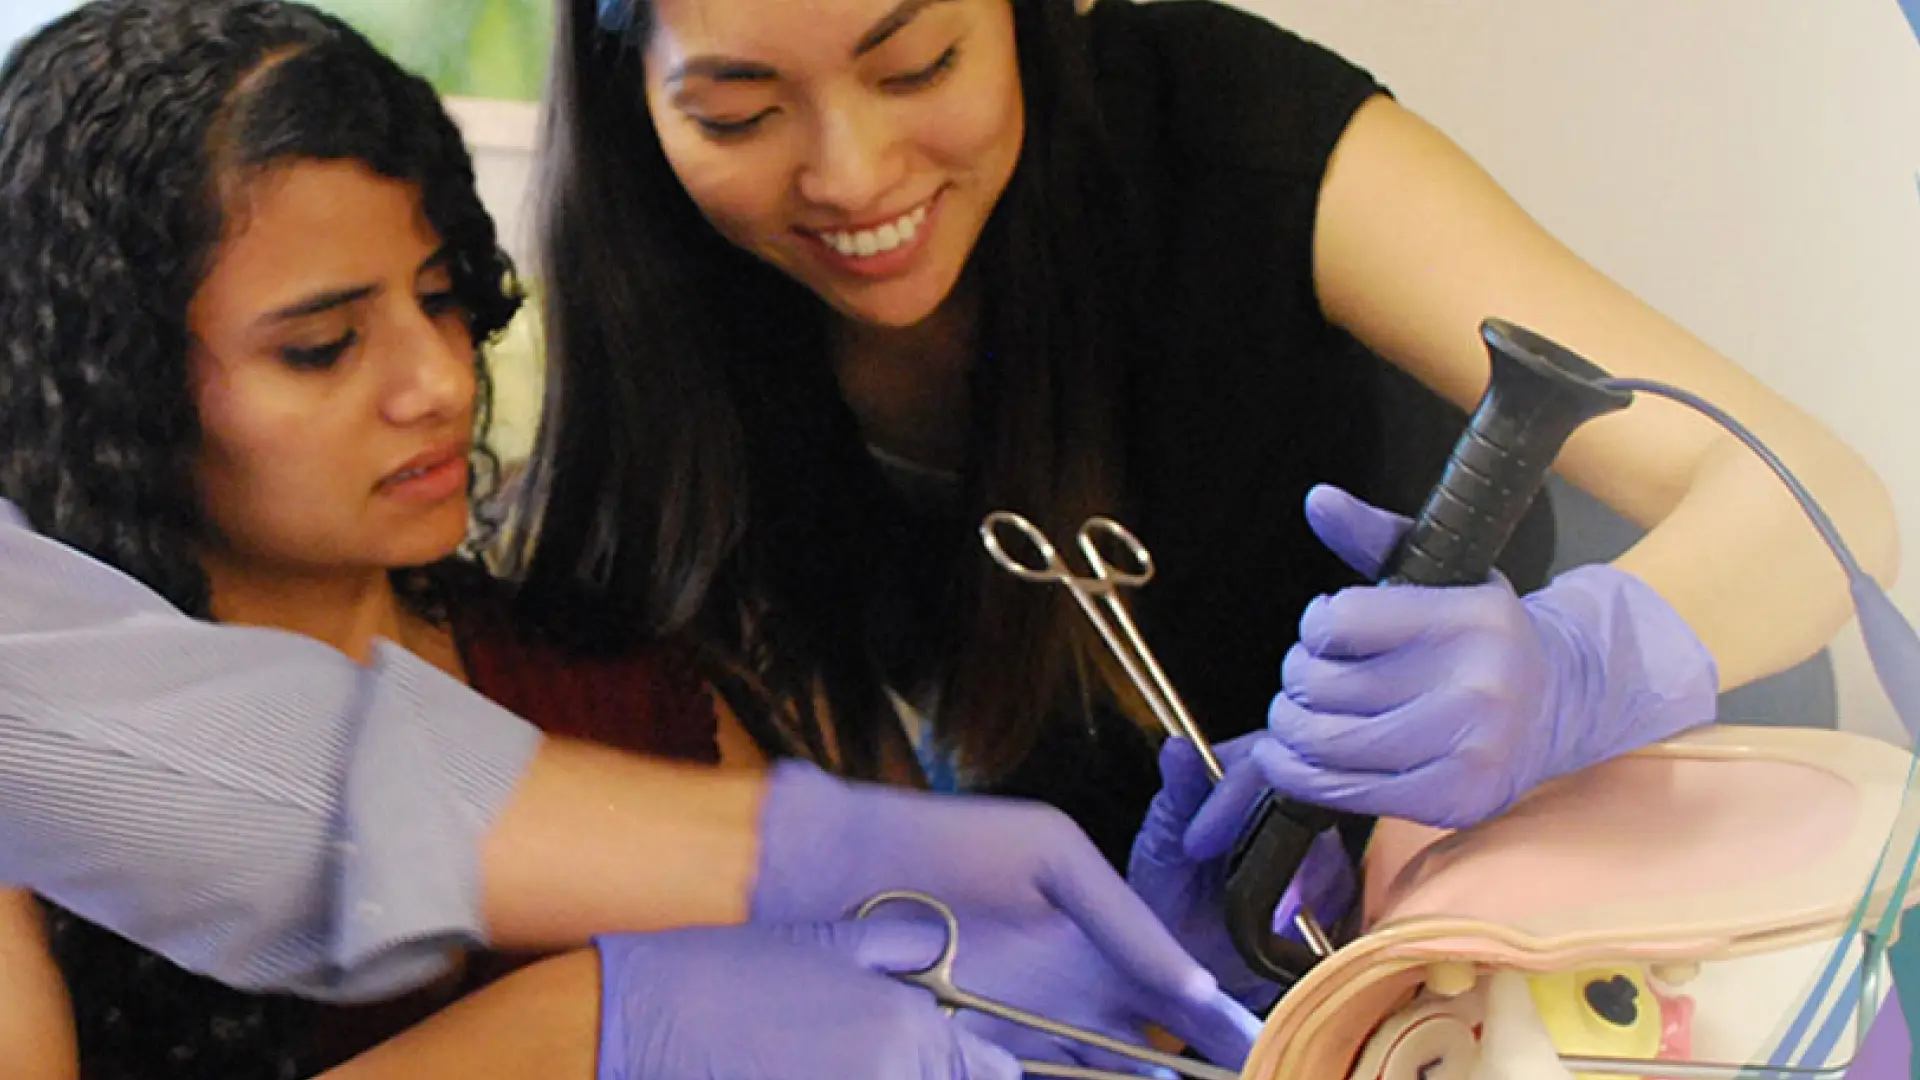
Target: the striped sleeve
(250, 803)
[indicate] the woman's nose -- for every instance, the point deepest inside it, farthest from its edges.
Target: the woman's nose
(434, 372)
(854, 160)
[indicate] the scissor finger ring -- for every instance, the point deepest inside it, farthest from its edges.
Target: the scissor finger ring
(1048, 568)
(1140, 560)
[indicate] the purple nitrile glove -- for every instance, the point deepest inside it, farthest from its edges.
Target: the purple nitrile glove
(798, 1002)
(1445, 705)
(1189, 892)
(827, 845)
(1046, 966)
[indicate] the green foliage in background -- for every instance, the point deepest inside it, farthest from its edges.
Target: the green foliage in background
(466, 48)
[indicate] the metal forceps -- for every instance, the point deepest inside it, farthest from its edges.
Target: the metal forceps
(1098, 595)
(937, 979)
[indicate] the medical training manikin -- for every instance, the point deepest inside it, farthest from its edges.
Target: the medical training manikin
(1670, 905)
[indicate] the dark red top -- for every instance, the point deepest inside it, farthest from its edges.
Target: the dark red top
(652, 701)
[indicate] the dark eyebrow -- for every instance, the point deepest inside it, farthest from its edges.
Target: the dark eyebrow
(320, 302)
(721, 69)
(892, 23)
(337, 298)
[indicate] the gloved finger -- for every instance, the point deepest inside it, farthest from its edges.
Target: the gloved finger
(897, 939)
(1365, 621)
(1235, 749)
(1029, 1044)
(1092, 1057)
(1016, 1040)
(1324, 884)
(980, 1059)
(1365, 687)
(1222, 817)
(1183, 776)
(1395, 742)
(1363, 536)
(1221, 1029)
(1184, 787)
(1434, 794)
(1125, 1066)
(1080, 882)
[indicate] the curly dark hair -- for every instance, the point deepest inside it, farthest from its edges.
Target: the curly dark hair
(116, 124)
(119, 124)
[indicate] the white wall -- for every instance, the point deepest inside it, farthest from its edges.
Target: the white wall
(20, 17)
(501, 135)
(1747, 166)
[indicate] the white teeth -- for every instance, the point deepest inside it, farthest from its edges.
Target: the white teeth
(869, 242)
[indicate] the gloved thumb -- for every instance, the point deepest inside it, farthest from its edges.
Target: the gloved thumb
(1362, 535)
(1217, 825)
(883, 943)
(1184, 783)
(1184, 786)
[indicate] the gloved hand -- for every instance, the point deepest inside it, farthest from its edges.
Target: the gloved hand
(1445, 705)
(1047, 966)
(1189, 893)
(798, 1002)
(827, 845)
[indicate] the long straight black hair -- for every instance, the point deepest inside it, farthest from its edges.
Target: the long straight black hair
(699, 470)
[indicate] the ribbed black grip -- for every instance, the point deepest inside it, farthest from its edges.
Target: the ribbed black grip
(1537, 394)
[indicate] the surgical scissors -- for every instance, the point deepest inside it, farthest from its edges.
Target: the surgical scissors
(1098, 595)
(937, 978)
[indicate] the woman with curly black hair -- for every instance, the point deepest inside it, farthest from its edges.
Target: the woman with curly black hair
(247, 274)
(248, 278)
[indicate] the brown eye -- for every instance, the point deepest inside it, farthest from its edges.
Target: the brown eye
(320, 357)
(926, 76)
(437, 304)
(731, 129)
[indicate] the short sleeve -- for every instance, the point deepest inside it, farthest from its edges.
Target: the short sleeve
(249, 803)
(1231, 88)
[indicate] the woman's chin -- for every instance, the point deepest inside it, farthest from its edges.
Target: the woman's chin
(888, 309)
(424, 548)
(895, 303)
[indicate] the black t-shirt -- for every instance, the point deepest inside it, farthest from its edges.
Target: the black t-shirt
(1224, 124)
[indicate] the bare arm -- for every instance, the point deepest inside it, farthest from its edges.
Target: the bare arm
(540, 1023)
(36, 1020)
(595, 841)
(1415, 245)
(277, 816)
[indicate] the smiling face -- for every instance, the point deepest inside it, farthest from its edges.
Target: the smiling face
(335, 379)
(857, 145)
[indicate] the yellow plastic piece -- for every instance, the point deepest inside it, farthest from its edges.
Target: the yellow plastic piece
(1599, 1012)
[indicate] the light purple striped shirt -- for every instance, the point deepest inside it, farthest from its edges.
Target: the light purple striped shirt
(250, 803)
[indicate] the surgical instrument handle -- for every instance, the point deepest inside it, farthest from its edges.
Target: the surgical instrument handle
(1537, 394)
